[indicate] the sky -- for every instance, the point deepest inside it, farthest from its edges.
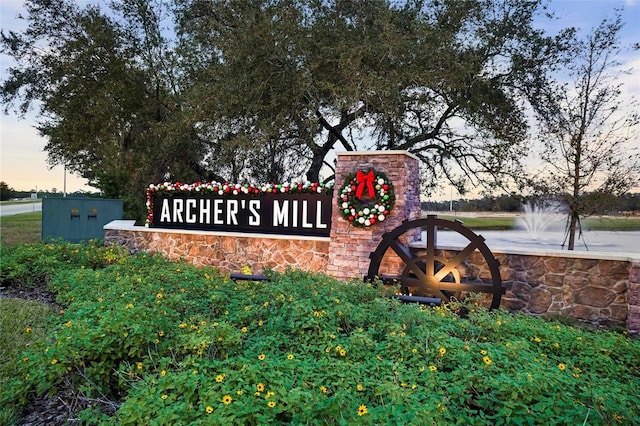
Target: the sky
(23, 160)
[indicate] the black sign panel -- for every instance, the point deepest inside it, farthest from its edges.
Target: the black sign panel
(283, 213)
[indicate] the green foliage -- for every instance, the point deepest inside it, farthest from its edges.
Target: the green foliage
(265, 90)
(32, 265)
(23, 324)
(151, 341)
(6, 193)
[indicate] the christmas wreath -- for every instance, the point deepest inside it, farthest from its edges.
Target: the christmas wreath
(366, 198)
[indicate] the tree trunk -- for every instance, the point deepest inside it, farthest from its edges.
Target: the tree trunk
(573, 224)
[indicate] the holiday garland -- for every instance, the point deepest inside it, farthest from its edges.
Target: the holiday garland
(366, 198)
(231, 189)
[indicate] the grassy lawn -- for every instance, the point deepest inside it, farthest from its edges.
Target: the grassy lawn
(20, 228)
(502, 222)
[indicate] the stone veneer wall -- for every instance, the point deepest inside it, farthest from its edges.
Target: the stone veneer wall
(350, 246)
(228, 252)
(598, 288)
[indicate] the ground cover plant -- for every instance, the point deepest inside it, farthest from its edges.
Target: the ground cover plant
(141, 340)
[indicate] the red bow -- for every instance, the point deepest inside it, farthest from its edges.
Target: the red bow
(363, 180)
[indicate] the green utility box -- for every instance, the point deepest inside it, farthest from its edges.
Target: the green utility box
(78, 219)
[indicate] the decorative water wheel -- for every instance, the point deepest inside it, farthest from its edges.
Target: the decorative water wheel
(430, 277)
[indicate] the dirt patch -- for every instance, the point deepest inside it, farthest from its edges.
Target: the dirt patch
(34, 294)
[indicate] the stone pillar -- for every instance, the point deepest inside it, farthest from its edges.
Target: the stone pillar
(633, 299)
(350, 246)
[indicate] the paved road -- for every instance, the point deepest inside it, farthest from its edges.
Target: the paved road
(27, 207)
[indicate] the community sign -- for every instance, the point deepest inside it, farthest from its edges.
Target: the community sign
(287, 209)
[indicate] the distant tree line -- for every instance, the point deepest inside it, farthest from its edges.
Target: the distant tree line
(8, 193)
(615, 205)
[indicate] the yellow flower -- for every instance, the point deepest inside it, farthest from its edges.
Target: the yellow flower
(226, 400)
(271, 404)
(68, 323)
(359, 387)
(562, 366)
(209, 409)
(343, 352)
(261, 357)
(54, 361)
(442, 351)
(260, 387)
(159, 295)
(27, 330)
(483, 352)
(362, 410)
(487, 360)
(240, 392)
(269, 394)
(100, 299)
(220, 378)
(323, 389)
(244, 329)
(537, 339)
(290, 357)
(183, 325)
(139, 365)
(163, 373)
(164, 396)
(129, 306)
(433, 368)
(260, 323)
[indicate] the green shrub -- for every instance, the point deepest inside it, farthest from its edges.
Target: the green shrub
(31, 265)
(147, 341)
(23, 324)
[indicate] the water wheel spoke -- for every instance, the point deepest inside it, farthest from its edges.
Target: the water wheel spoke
(455, 261)
(405, 254)
(431, 247)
